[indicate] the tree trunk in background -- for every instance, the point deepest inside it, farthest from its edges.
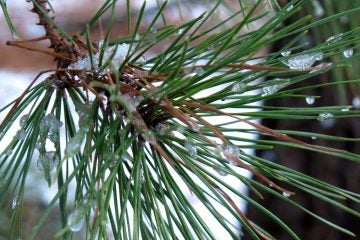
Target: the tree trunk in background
(340, 172)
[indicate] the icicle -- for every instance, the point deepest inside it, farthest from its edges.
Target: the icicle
(76, 219)
(334, 39)
(310, 100)
(348, 52)
(325, 116)
(303, 61)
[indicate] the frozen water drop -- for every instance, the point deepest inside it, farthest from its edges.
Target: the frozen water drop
(318, 9)
(48, 162)
(356, 102)
(310, 100)
(325, 116)
(191, 148)
(23, 120)
(20, 134)
(76, 219)
(199, 71)
(286, 194)
(153, 30)
(231, 152)
(313, 137)
(271, 184)
(285, 53)
(348, 52)
(345, 109)
(289, 8)
(275, 86)
(239, 86)
(180, 31)
(334, 39)
(303, 61)
(74, 145)
(14, 202)
(195, 127)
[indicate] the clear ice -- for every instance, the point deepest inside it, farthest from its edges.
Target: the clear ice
(303, 61)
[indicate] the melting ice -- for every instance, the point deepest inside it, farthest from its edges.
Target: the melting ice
(303, 61)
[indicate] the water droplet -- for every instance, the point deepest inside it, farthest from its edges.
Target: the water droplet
(286, 194)
(239, 86)
(348, 52)
(153, 30)
(285, 53)
(14, 202)
(310, 100)
(199, 71)
(271, 185)
(23, 120)
(195, 127)
(318, 9)
(275, 86)
(20, 134)
(76, 219)
(180, 31)
(191, 148)
(334, 39)
(313, 137)
(303, 61)
(345, 109)
(325, 116)
(356, 102)
(288, 9)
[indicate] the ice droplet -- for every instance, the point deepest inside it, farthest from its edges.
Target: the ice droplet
(348, 52)
(231, 152)
(195, 127)
(153, 30)
(313, 137)
(238, 86)
(76, 219)
(191, 148)
(289, 8)
(74, 145)
(285, 53)
(199, 71)
(48, 162)
(277, 84)
(325, 116)
(334, 39)
(286, 194)
(310, 100)
(14, 202)
(318, 9)
(20, 134)
(345, 109)
(356, 102)
(303, 61)
(23, 120)
(180, 31)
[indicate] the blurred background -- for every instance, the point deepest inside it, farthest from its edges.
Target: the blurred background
(18, 67)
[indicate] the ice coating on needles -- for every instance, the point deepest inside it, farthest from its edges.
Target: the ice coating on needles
(303, 61)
